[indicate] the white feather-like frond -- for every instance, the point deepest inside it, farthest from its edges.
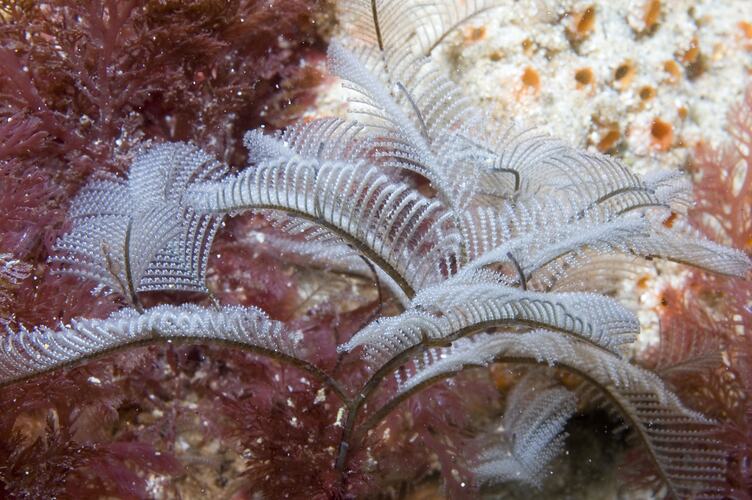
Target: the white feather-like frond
(27, 352)
(137, 234)
(679, 440)
(445, 313)
(532, 433)
(407, 234)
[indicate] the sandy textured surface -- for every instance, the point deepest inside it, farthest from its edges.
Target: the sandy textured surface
(642, 79)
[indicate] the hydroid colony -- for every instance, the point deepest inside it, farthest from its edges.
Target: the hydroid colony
(488, 238)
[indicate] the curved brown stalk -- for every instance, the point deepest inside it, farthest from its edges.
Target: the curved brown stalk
(613, 396)
(455, 26)
(309, 368)
(390, 366)
(351, 240)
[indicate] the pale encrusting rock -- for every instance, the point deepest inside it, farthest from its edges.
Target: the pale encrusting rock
(660, 74)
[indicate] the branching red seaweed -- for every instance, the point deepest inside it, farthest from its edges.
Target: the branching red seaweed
(705, 348)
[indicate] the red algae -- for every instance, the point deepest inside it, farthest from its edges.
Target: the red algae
(84, 85)
(706, 321)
